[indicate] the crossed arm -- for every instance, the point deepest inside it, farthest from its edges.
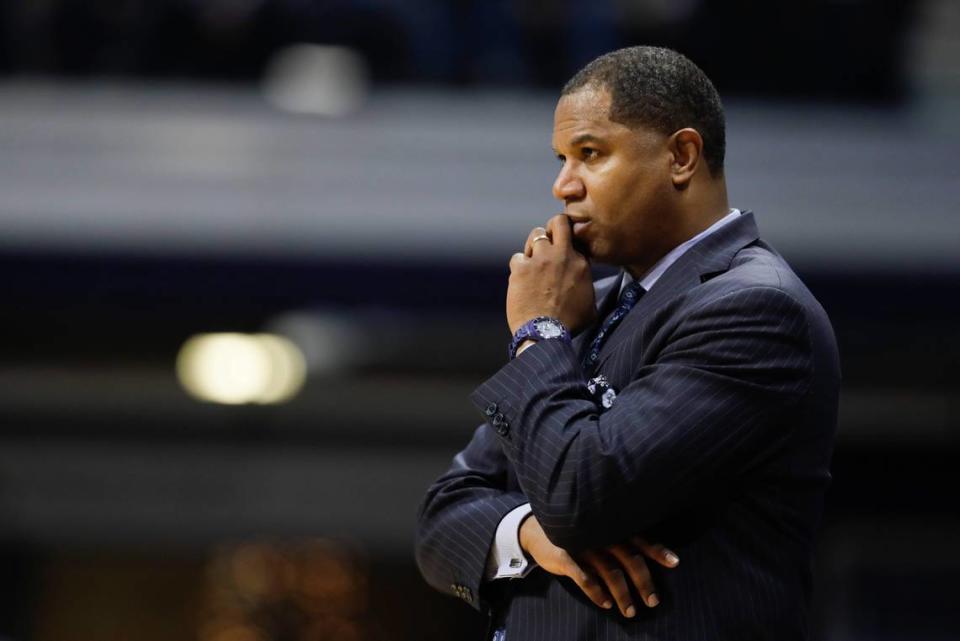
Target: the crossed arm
(460, 515)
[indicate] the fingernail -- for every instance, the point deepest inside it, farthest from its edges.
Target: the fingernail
(653, 601)
(607, 605)
(672, 558)
(631, 611)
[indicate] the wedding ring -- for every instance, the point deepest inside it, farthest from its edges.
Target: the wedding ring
(540, 237)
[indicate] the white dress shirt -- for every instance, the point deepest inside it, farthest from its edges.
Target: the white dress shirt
(506, 559)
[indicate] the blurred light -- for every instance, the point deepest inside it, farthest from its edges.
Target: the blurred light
(319, 80)
(235, 368)
(307, 590)
(254, 570)
(234, 633)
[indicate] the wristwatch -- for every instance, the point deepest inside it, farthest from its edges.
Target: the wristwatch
(540, 328)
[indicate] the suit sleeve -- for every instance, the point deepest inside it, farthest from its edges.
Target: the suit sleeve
(706, 410)
(458, 519)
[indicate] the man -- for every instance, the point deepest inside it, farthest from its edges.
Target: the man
(660, 475)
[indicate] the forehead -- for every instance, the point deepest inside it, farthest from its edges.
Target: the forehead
(585, 111)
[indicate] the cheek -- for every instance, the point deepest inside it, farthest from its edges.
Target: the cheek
(609, 195)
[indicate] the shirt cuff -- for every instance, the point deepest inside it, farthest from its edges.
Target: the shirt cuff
(506, 559)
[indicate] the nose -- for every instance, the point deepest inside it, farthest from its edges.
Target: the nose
(568, 185)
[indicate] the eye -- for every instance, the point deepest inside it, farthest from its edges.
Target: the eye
(561, 158)
(588, 153)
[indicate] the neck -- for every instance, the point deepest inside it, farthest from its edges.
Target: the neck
(707, 209)
(698, 215)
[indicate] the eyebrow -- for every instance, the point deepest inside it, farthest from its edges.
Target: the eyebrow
(582, 138)
(579, 139)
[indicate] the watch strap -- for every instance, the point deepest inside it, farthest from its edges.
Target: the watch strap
(531, 331)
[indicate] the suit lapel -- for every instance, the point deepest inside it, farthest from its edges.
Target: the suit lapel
(710, 256)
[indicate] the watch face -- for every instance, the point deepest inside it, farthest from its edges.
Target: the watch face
(547, 329)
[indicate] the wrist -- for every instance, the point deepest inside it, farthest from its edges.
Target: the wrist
(525, 532)
(524, 345)
(536, 329)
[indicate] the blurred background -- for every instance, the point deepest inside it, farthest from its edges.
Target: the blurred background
(254, 258)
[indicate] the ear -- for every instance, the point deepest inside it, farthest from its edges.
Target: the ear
(686, 150)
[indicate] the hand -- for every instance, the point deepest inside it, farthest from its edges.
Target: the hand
(602, 573)
(550, 278)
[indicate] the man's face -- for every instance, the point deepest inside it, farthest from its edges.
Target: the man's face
(614, 181)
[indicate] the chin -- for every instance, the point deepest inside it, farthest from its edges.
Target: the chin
(599, 252)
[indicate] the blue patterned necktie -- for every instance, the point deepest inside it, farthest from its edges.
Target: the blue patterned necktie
(628, 298)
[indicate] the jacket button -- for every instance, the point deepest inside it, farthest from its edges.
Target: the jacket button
(503, 428)
(497, 419)
(491, 409)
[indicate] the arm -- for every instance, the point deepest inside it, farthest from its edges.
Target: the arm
(464, 511)
(688, 424)
(460, 515)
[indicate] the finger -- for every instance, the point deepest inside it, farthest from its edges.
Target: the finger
(633, 560)
(559, 228)
(612, 574)
(588, 583)
(532, 238)
(659, 553)
(517, 259)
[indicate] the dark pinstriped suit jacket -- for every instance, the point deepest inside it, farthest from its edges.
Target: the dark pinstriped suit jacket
(718, 445)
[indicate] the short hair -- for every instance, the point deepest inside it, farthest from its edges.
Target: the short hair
(660, 89)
